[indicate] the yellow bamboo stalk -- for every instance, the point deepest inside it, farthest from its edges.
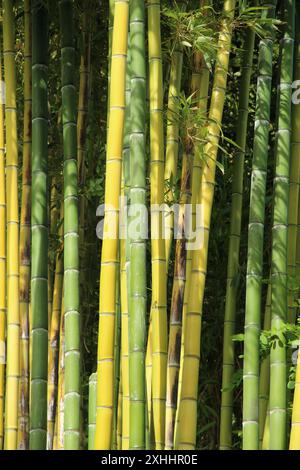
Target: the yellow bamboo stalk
(266, 436)
(13, 318)
(178, 291)
(158, 302)
(199, 88)
(189, 388)
(2, 257)
(23, 418)
(54, 340)
(295, 428)
(109, 258)
(172, 145)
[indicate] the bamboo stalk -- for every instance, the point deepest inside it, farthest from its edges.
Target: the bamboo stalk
(294, 190)
(264, 376)
(54, 214)
(82, 123)
(84, 86)
(58, 443)
(39, 229)
(294, 172)
(23, 418)
(109, 257)
(172, 145)
(117, 362)
(2, 256)
(119, 415)
(158, 302)
(255, 240)
(12, 221)
(92, 410)
(111, 14)
(53, 359)
(71, 248)
(125, 262)
(137, 284)
(178, 296)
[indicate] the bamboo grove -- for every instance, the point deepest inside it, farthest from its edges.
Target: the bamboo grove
(149, 224)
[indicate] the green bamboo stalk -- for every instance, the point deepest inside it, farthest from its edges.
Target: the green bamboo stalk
(278, 388)
(255, 238)
(92, 410)
(234, 243)
(39, 229)
(137, 285)
(71, 261)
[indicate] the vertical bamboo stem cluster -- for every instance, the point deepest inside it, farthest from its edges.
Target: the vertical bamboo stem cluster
(12, 224)
(109, 258)
(137, 237)
(71, 248)
(234, 242)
